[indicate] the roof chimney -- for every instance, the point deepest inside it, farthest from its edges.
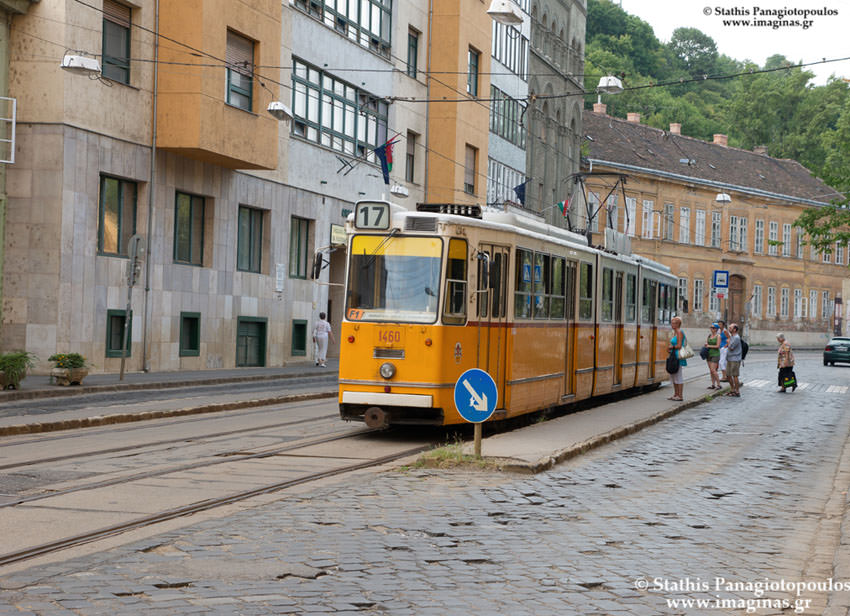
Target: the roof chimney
(720, 139)
(760, 149)
(633, 117)
(600, 108)
(675, 128)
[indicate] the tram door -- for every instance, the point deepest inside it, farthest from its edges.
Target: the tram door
(492, 309)
(618, 333)
(653, 324)
(570, 349)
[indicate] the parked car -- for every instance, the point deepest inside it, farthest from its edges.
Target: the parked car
(837, 349)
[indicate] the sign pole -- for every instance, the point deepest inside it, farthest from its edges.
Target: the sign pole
(475, 399)
(477, 441)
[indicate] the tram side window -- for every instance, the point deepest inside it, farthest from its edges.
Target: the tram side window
(663, 303)
(571, 290)
(542, 285)
(556, 308)
(522, 296)
(647, 314)
(454, 311)
(499, 274)
(631, 298)
(607, 294)
(585, 292)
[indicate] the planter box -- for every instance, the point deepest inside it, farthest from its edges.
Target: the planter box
(68, 376)
(7, 383)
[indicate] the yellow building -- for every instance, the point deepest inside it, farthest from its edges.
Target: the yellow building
(702, 208)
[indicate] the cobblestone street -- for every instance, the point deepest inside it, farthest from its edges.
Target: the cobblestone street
(704, 506)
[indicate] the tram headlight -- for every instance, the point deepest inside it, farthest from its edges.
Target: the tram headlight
(387, 370)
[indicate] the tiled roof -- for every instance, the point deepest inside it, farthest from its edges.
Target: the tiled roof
(629, 143)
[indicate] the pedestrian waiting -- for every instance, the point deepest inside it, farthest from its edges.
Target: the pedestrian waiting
(734, 357)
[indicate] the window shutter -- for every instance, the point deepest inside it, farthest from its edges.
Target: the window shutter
(119, 13)
(240, 53)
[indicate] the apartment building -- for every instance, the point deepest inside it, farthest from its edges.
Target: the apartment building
(702, 207)
(169, 140)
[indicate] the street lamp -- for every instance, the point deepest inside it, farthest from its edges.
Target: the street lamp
(505, 12)
(279, 111)
(77, 63)
(723, 198)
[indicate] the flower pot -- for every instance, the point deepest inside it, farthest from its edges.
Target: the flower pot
(68, 376)
(10, 382)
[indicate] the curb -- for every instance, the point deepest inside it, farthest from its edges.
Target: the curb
(562, 455)
(58, 392)
(103, 420)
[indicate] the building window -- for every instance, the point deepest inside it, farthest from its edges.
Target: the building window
(699, 230)
(800, 243)
(798, 303)
(715, 230)
(116, 216)
(299, 337)
(786, 240)
(469, 172)
(756, 308)
(502, 182)
(668, 221)
(827, 256)
(510, 47)
(631, 214)
(772, 238)
(592, 211)
(116, 41)
(825, 308)
(646, 220)
(713, 301)
(410, 158)
(683, 295)
(839, 253)
(699, 292)
(613, 212)
(472, 72)
(188, 229)
(299, 244)
(758, 246)
(505, 117)
(249, 247)
(335, 114)
(784, 298)
(771, 301)
(190, 334)
(239, 57)
(813, 304)
(685, 225)
(370, 26)
(412, 52)
(737, 233)
(115, 333)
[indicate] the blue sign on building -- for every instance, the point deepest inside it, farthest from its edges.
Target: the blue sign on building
(721, 279)
(476, 395)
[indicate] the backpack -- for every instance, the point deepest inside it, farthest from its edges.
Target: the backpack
(744, 348)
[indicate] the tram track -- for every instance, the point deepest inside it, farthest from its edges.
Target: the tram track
(193, 508)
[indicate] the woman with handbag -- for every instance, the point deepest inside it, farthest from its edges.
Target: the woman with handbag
(785, 363)
(677, 343)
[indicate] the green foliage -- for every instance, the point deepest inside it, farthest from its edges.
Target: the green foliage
(15, 365)
(68, 360)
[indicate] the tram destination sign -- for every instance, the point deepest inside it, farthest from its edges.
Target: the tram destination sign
(372, 215)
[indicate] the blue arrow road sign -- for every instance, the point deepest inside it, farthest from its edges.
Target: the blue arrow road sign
(476, 395)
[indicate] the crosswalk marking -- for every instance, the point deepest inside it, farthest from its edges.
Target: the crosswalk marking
(813, 387)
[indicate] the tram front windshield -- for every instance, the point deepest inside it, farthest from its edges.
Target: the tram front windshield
(393, 278)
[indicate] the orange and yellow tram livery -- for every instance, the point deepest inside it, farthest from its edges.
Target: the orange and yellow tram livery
(432, 293)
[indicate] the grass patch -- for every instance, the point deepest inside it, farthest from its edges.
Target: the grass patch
(451, 455)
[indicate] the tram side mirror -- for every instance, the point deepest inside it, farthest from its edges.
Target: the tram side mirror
(318, 262)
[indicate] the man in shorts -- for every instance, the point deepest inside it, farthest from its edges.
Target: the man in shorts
(734, 356)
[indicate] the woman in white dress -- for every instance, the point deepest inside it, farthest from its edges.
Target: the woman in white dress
(321, 332)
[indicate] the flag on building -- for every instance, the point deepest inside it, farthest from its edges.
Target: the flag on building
(385, 156)
(564, 206)
(520, 192)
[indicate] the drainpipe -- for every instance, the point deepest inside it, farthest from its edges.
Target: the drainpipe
(148, 316)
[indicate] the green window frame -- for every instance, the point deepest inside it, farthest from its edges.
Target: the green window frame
(249, 244)
(116, 41)
(542, 285)
(472, 73)
(523, 283)
(585, 292)
(412, 52)
(190, 334)
(188, 229)
(299, 337)
(114, 329)
(239, 57)
(116, 215)
(299, 244)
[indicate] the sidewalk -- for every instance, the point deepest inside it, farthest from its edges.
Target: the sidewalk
(541, 446)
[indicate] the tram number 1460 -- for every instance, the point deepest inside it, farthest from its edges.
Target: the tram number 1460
(390, 336)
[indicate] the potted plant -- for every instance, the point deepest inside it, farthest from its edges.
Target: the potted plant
(71, 368)
(13, 368)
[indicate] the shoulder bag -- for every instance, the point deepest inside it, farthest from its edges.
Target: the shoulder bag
(686, 352)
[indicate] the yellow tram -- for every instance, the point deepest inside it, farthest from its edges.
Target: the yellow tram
(432, 293)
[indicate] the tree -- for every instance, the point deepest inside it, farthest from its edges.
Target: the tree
(695, 51)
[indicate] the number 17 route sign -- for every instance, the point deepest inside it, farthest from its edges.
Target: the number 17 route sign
(476, 395)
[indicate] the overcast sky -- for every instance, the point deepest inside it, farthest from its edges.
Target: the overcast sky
(826, 36)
